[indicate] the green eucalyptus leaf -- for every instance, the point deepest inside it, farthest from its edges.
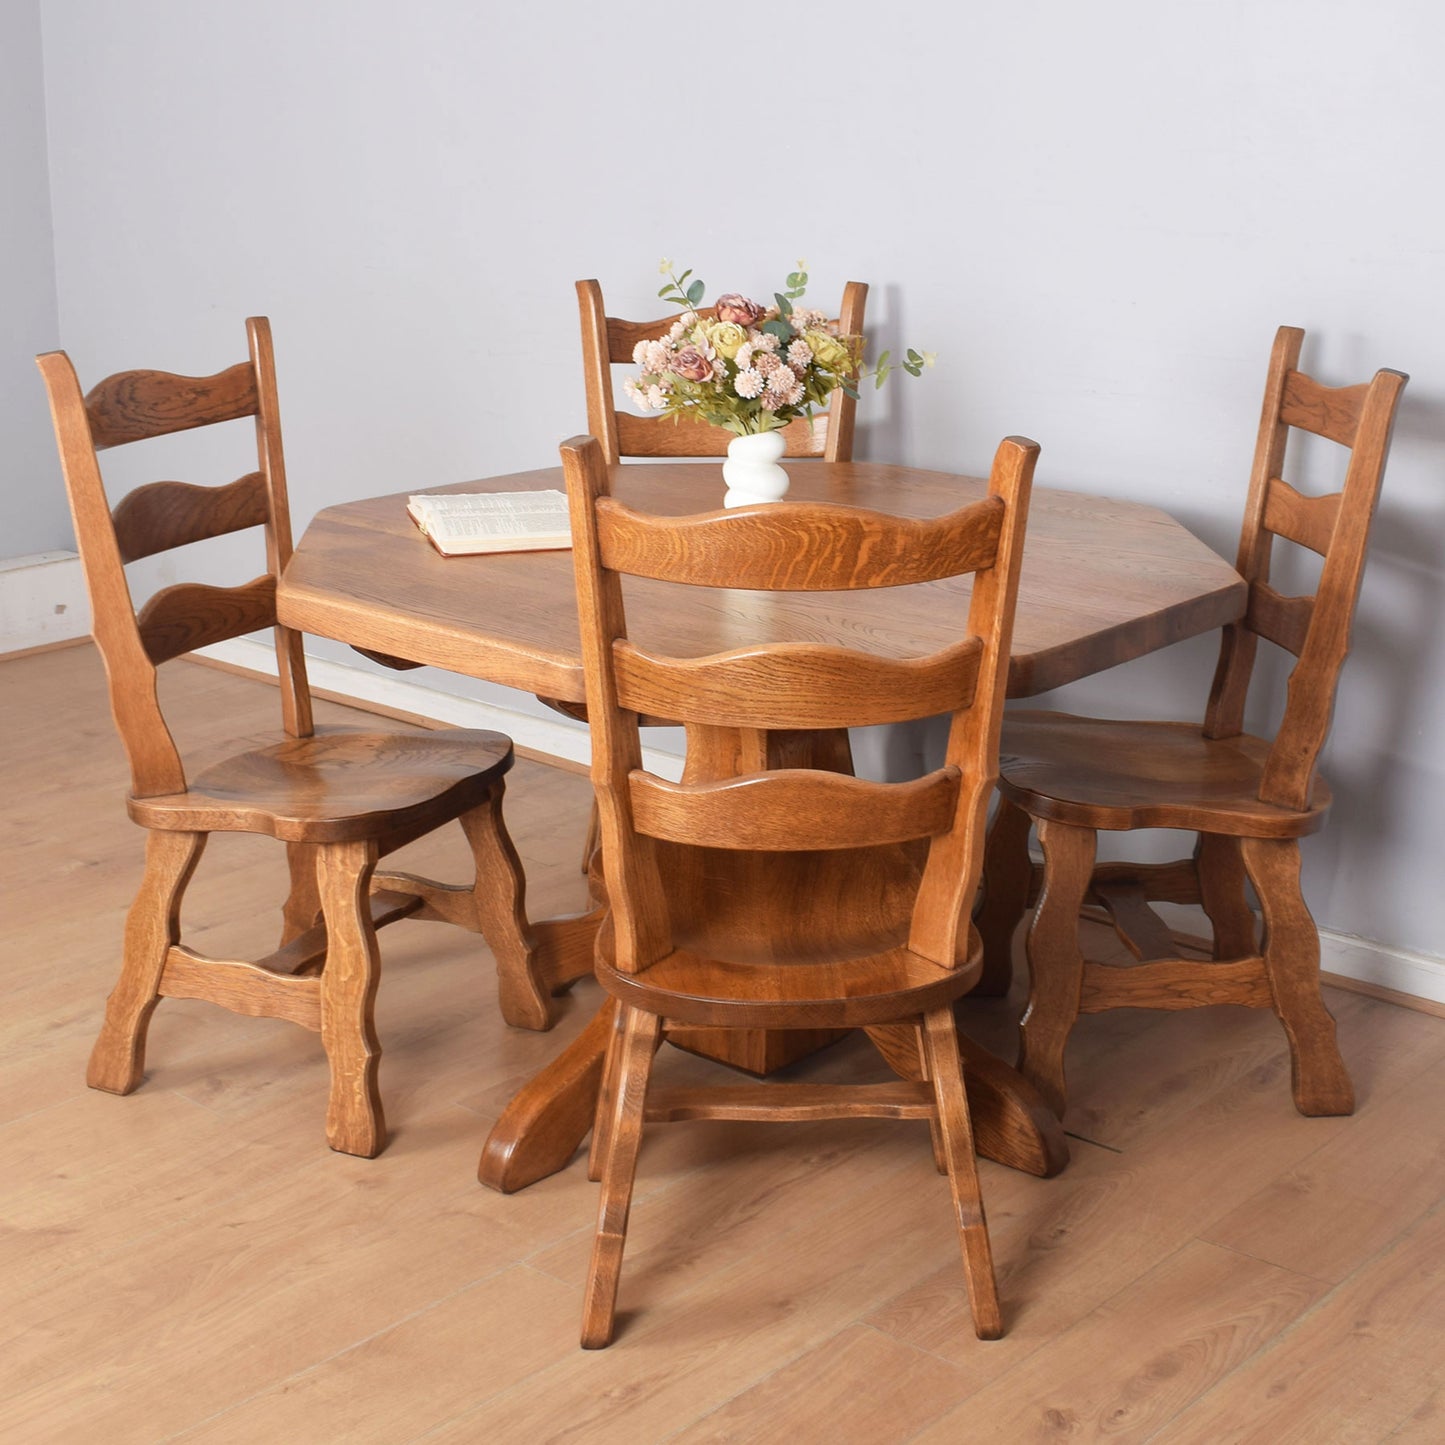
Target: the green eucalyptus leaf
(784, 305)
(914, 357)
(695, 293)
(912, 370)
(880, 378)
(883, 361)
(780, 329)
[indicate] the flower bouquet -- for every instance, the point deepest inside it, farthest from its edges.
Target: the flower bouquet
(751, 370)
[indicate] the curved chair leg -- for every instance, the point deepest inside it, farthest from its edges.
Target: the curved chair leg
(1221, 890)
(641, 1032)
(945, 1070)
(354, 1119)
(1007, 874)
(1319, 1079)
(152, 929)
(1056, 965)
(500, 895)
(935, 1129)
(606, 1099)
(303, 904)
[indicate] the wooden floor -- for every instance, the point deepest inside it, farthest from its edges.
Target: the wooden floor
(192, 1263)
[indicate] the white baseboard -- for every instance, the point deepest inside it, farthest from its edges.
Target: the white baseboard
(42, 601)
(1379, 966)
(557, 737)
(1376, 965)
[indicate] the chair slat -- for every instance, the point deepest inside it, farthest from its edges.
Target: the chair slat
(798, 546)
(661, 436)
(768, 1103)
(1327, 411)
(796, 686)
(623, 336)
(1309, 521)
(133, 405)
(195, 614)
(794, 809)
(163, 515)
(1282, 620)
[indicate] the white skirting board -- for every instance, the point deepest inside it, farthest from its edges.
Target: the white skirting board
(42, 600)
(1376, 965)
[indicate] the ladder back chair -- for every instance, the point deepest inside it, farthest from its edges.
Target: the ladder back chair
(1248, 799)
(800, 897)
(339, 798)
(609, 341)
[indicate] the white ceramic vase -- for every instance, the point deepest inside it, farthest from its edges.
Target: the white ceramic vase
(752, 471)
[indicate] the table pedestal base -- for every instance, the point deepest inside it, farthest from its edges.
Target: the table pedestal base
(541, 1129)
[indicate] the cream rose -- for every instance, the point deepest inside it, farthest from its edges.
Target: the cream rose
(830, 353)
(727, 338)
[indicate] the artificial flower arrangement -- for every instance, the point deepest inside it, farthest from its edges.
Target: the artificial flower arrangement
(746, 367)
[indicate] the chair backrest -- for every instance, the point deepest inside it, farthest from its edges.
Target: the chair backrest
(794, 686)
(1314, 628)
(132, 406)
(608, 340)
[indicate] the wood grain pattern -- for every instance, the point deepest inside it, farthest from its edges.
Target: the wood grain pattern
(1284, 621)
(797, 546)
(1103, 582)
(1249, 799)
(1328, 411)
(804, 686)
(794, 809)
(242, 987)
(133, 405)
(1305, 520)
(192, 615)
(337, 798)
(161, 515)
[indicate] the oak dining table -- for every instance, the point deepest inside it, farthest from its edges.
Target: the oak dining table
(1103, 582)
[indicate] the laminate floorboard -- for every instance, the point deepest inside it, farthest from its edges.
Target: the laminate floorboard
(191, 1263)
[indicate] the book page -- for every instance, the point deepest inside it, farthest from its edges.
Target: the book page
(485, 521)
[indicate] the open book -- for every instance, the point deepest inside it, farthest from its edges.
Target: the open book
(460, 524)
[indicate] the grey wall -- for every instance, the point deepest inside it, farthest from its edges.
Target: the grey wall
(1096, 215)
(33, 515)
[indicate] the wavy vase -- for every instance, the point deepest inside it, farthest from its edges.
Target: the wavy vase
(752, 471)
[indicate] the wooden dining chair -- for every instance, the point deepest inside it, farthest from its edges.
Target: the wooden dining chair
(1248, 799)
(800, 897)
(609, 341)
(339, 798)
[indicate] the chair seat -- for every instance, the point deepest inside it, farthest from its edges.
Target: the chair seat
(341, 785)
(1120, 775)
(691, 988)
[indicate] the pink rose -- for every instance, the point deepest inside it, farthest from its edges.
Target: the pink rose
(692, 365)
(738, 309)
